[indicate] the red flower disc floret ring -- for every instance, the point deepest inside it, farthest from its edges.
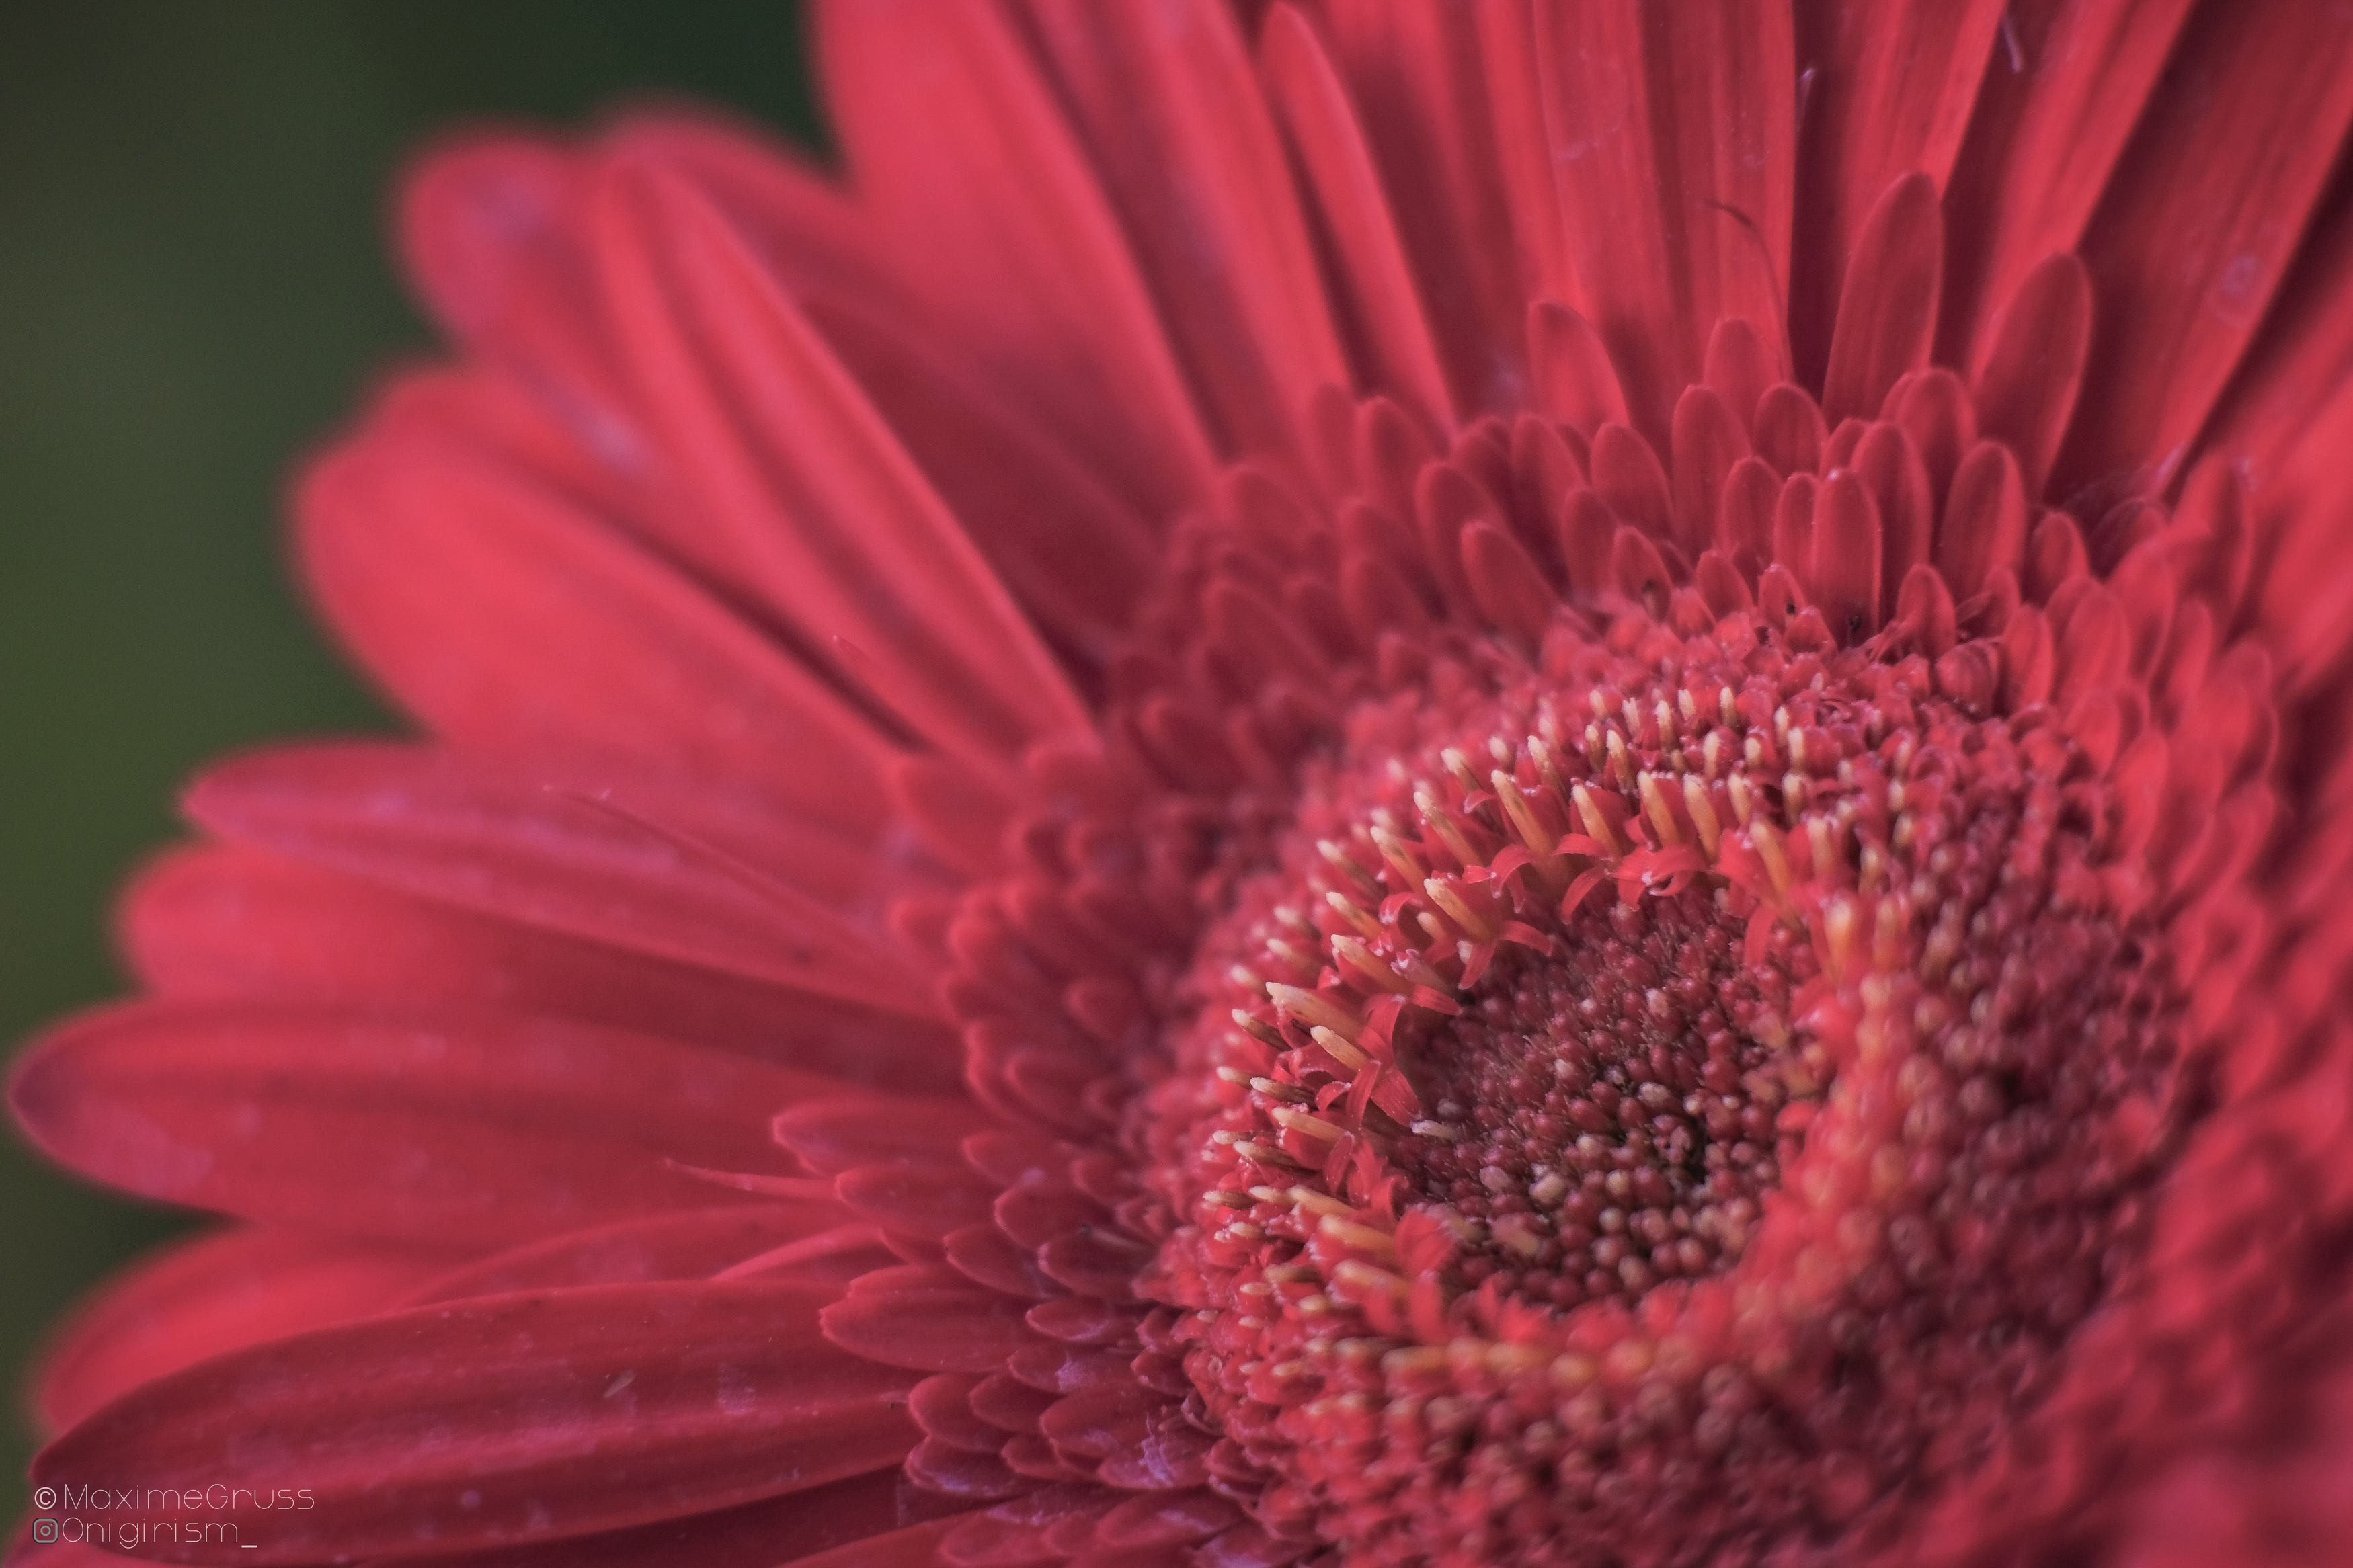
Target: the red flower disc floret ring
(1714, 1102)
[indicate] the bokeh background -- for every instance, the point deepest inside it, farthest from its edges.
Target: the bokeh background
(193, 289)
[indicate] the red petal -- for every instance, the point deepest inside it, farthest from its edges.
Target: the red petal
(1248, 1546)
(934, 105)
(692, 1244)
(961, 1474)
(841, 1133)
(506, 615)
(1447, 500)
(216, 922)
(1627, 475)
(1505, 581)
(2026, 658)
(1848, 553)
(1073, 552)
(1793, 526)
(1924, 606)
(1790, 434)
(1038, 1210)
(929, 1320)
(448, 1129)
(1710, 440)
(2065, 87)
(2054, 556)
(2185, 248)
(1171, 113)
(2033, 366)
(1892, 468)
(2093, 647)
(498, 231)
(464, 832)
(1936, 412)
(490, 236)
(987, 1256)
(852, 543)
(1887, 309)
(917, 1546)
(1891, 93)
(1524, 148)
(1983, 525)
(1672, 134)
(216, 1293)
(1307, 93)
(855, 1522)
(927, 1200)
(942, 1405)
(505, 1421)
(1576, 381)
(2291, 406)
(1415, 73)
(790, 206)
(1158, 1519)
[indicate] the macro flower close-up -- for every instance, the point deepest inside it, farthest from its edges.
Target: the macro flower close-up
(1358, 783)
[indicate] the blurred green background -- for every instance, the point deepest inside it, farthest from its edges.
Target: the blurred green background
(194, 285)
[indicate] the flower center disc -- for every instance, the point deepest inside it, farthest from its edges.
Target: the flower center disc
(1606, 1114)
(1675, 1083)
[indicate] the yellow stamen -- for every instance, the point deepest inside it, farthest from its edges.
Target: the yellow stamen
(1620, 764)
(1457, 909)
(1547, 769)
(1703, 812)
(1401, 859)
(1299, 1121)
(1340, 860)
(1265, 1154)
(1662, 815)
(1352, 951)
(1769, 849)
(1339, 1050)
(1314, 1011)
(1460, 766)
(1350, 1234)
(1258, 1028)
(1450, 831)
(1347, 909)
(1838, 924)
(1319, 1202)
(1597, 826)
(1522, 815)
(1355, 1271)
(1744, 802)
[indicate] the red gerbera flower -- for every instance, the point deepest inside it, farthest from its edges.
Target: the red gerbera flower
(1389, 782)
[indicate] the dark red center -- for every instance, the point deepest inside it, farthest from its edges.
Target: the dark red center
(1605, 1120)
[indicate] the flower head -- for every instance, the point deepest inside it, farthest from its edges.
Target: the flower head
(1389, 783)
